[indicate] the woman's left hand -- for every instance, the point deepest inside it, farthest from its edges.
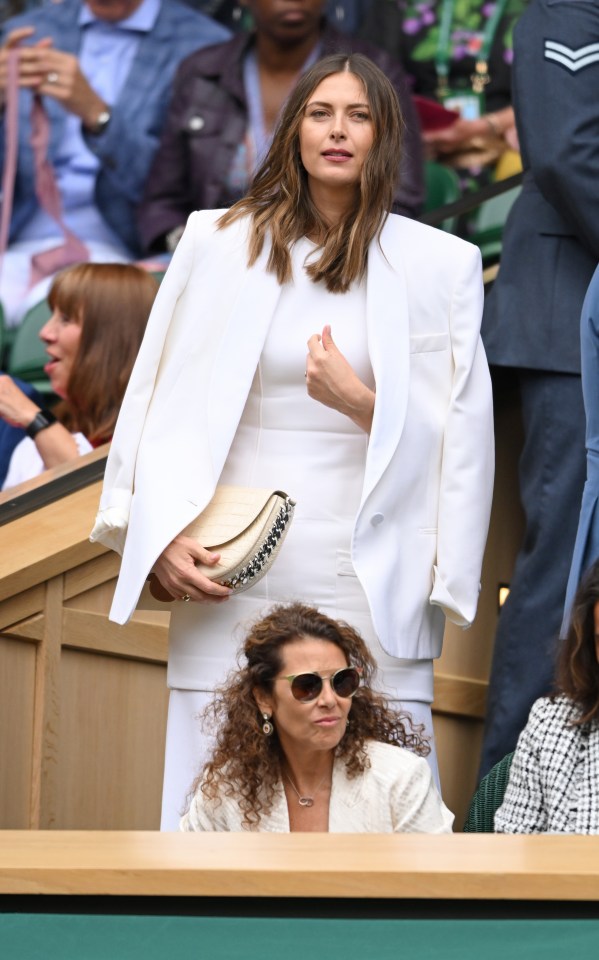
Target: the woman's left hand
(331, 380)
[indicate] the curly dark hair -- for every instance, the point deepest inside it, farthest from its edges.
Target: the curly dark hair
(246, 764)
(577, 674)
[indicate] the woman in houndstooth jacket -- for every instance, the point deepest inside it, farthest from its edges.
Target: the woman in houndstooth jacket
(554, 778)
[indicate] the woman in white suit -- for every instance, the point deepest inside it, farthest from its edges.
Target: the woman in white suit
(382, 432)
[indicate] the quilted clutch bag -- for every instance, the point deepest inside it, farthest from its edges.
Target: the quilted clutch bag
(247, 526)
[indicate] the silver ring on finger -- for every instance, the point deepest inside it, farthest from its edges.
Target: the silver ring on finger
(52, 77)
(185, 598)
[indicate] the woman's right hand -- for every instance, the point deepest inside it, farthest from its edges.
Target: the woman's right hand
(176, 570)
(15, 406)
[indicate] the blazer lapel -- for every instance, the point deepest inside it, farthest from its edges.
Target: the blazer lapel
(151, 64)
(387, 320)
(347, 813)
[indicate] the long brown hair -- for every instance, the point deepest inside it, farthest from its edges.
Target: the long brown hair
(279, 198)
(245, 763)
(111, 302)
(577, 668)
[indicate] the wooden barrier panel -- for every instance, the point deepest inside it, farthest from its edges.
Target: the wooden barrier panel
(324, 866)
(82, 700)
(147, 896)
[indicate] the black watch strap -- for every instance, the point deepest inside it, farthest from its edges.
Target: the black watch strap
(43, 418)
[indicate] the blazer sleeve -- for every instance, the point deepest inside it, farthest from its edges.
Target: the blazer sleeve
(467, 469)
(113, 517)
(416, 806)
(200, 818)
(557, 111)
(126, 149)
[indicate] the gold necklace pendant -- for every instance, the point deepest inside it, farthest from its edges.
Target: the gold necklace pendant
(302, 800)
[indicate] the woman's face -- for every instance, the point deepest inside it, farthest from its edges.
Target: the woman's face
(336, 133)
(286, 22)
(61, 336)
(320, 723)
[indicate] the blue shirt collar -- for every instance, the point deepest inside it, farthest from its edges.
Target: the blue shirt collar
(141, 20)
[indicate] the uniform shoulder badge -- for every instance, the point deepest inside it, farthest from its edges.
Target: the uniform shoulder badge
(573, 60)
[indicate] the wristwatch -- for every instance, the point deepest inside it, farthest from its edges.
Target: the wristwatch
(43, 418)
(102, 121)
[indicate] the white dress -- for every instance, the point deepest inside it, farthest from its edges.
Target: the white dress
(26, 462)
(287, 440)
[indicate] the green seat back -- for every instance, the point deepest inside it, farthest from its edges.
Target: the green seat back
(442, 186)
(488, 798)
(28, 355)
(489, 223)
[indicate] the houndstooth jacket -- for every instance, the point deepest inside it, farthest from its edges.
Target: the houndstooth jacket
(554, 777)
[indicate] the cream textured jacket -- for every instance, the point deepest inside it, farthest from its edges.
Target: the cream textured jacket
(396, 794)
(422, 523)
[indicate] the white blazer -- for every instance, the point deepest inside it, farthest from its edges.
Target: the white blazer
(395, 794)
(421, 527)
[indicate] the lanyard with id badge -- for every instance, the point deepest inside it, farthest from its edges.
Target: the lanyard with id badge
(470, 104)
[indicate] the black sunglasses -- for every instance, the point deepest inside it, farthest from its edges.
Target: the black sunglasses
(308, 686)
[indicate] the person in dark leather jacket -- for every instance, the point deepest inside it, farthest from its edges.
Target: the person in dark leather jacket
(222, 93)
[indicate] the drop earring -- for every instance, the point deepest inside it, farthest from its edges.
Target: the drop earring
(267, 727)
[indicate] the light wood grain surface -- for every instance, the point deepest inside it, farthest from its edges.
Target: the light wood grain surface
(300, 865)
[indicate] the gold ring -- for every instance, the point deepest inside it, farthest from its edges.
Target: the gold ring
(52, 77)
(186, 598)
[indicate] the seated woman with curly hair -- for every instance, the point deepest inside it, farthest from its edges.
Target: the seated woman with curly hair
(303, 742)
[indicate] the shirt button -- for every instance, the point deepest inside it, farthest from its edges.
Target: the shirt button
(196, 123)
(376, 519)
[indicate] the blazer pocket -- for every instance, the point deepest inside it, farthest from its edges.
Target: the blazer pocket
(429, 343)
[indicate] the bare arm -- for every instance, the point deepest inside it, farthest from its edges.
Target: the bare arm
(448, 140)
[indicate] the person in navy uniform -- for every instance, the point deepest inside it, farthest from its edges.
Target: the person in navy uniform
(531, 335)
